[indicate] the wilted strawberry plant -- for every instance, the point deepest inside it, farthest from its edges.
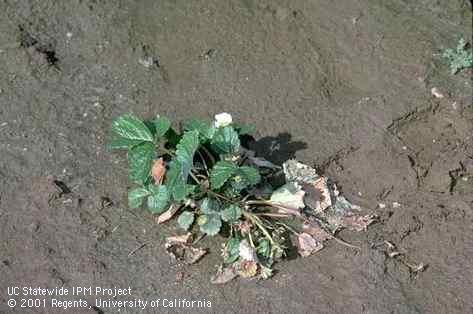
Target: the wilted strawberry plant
(204, 175)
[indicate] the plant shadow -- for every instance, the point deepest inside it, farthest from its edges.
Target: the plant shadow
(277, 149)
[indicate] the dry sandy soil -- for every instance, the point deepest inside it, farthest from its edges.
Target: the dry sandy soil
(344, 85)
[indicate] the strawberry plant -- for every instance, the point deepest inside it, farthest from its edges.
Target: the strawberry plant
(211, 184)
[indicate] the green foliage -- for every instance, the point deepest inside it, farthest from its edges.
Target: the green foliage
(221, 172)
(159, 199)
(206, 131)
(185, 220)
(181, 166)
(206, 178)
(131, 128)
(244, 177)
(135, 197)
(225, 141)
(139, 159)
(459, 58)
(231, 213)
(232, 251)
(160, 126)
(210, 224)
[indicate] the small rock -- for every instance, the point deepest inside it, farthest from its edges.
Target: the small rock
(436, 93)
(146, 62)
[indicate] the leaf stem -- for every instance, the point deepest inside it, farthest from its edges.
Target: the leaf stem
(220, 196)
(254, 219)
(288, 210)
(203, 161)
(209, 154)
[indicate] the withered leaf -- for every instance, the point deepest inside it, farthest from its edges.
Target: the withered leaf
(168, 214)
(224, 275)
(316, 231)
(307, 245)
(317, 194)
(248, 269)
(158, 170)
(182, 239)
(358, 222)
(179, 248)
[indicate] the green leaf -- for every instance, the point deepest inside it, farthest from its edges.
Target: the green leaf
(220, 173)
(135, 197)
(206, 131)
(250, 175)
(225, 141)
(185, 152)
(139, 159)
(118, 142)
(159, 199)
(231, 213)
(185, 220)
(244, 177)
(161, 126)
(179, 169)
(210, 206)
(210, 224)
(175, 181)
(132, 128)
(232, 251)
(264, 248)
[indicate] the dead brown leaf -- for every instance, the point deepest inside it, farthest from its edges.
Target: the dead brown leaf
(248, 269)
(307, 245)
(224, 275)
(317, 195)
(357, 222)
(316, 231)
(179, 248)
(193, 255)
(168, 214)
(158, 170)
(182, 239)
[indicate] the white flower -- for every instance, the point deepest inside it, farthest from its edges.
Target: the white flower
(222, 119)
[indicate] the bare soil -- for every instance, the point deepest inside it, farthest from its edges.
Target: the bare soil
(343, 85)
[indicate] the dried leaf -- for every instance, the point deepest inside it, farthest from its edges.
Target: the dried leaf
(247, 252)
(317, 194)
(182, 239)
(179, 248)
(298, 172)
(289, 196)
(224, 275)
(168, 214)
(244, 227)
(193, 255)
(357, 222)
(158, 170)
(316, 231)
(266, 272)
(307, 245)
(248, 269)
(418, 268)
